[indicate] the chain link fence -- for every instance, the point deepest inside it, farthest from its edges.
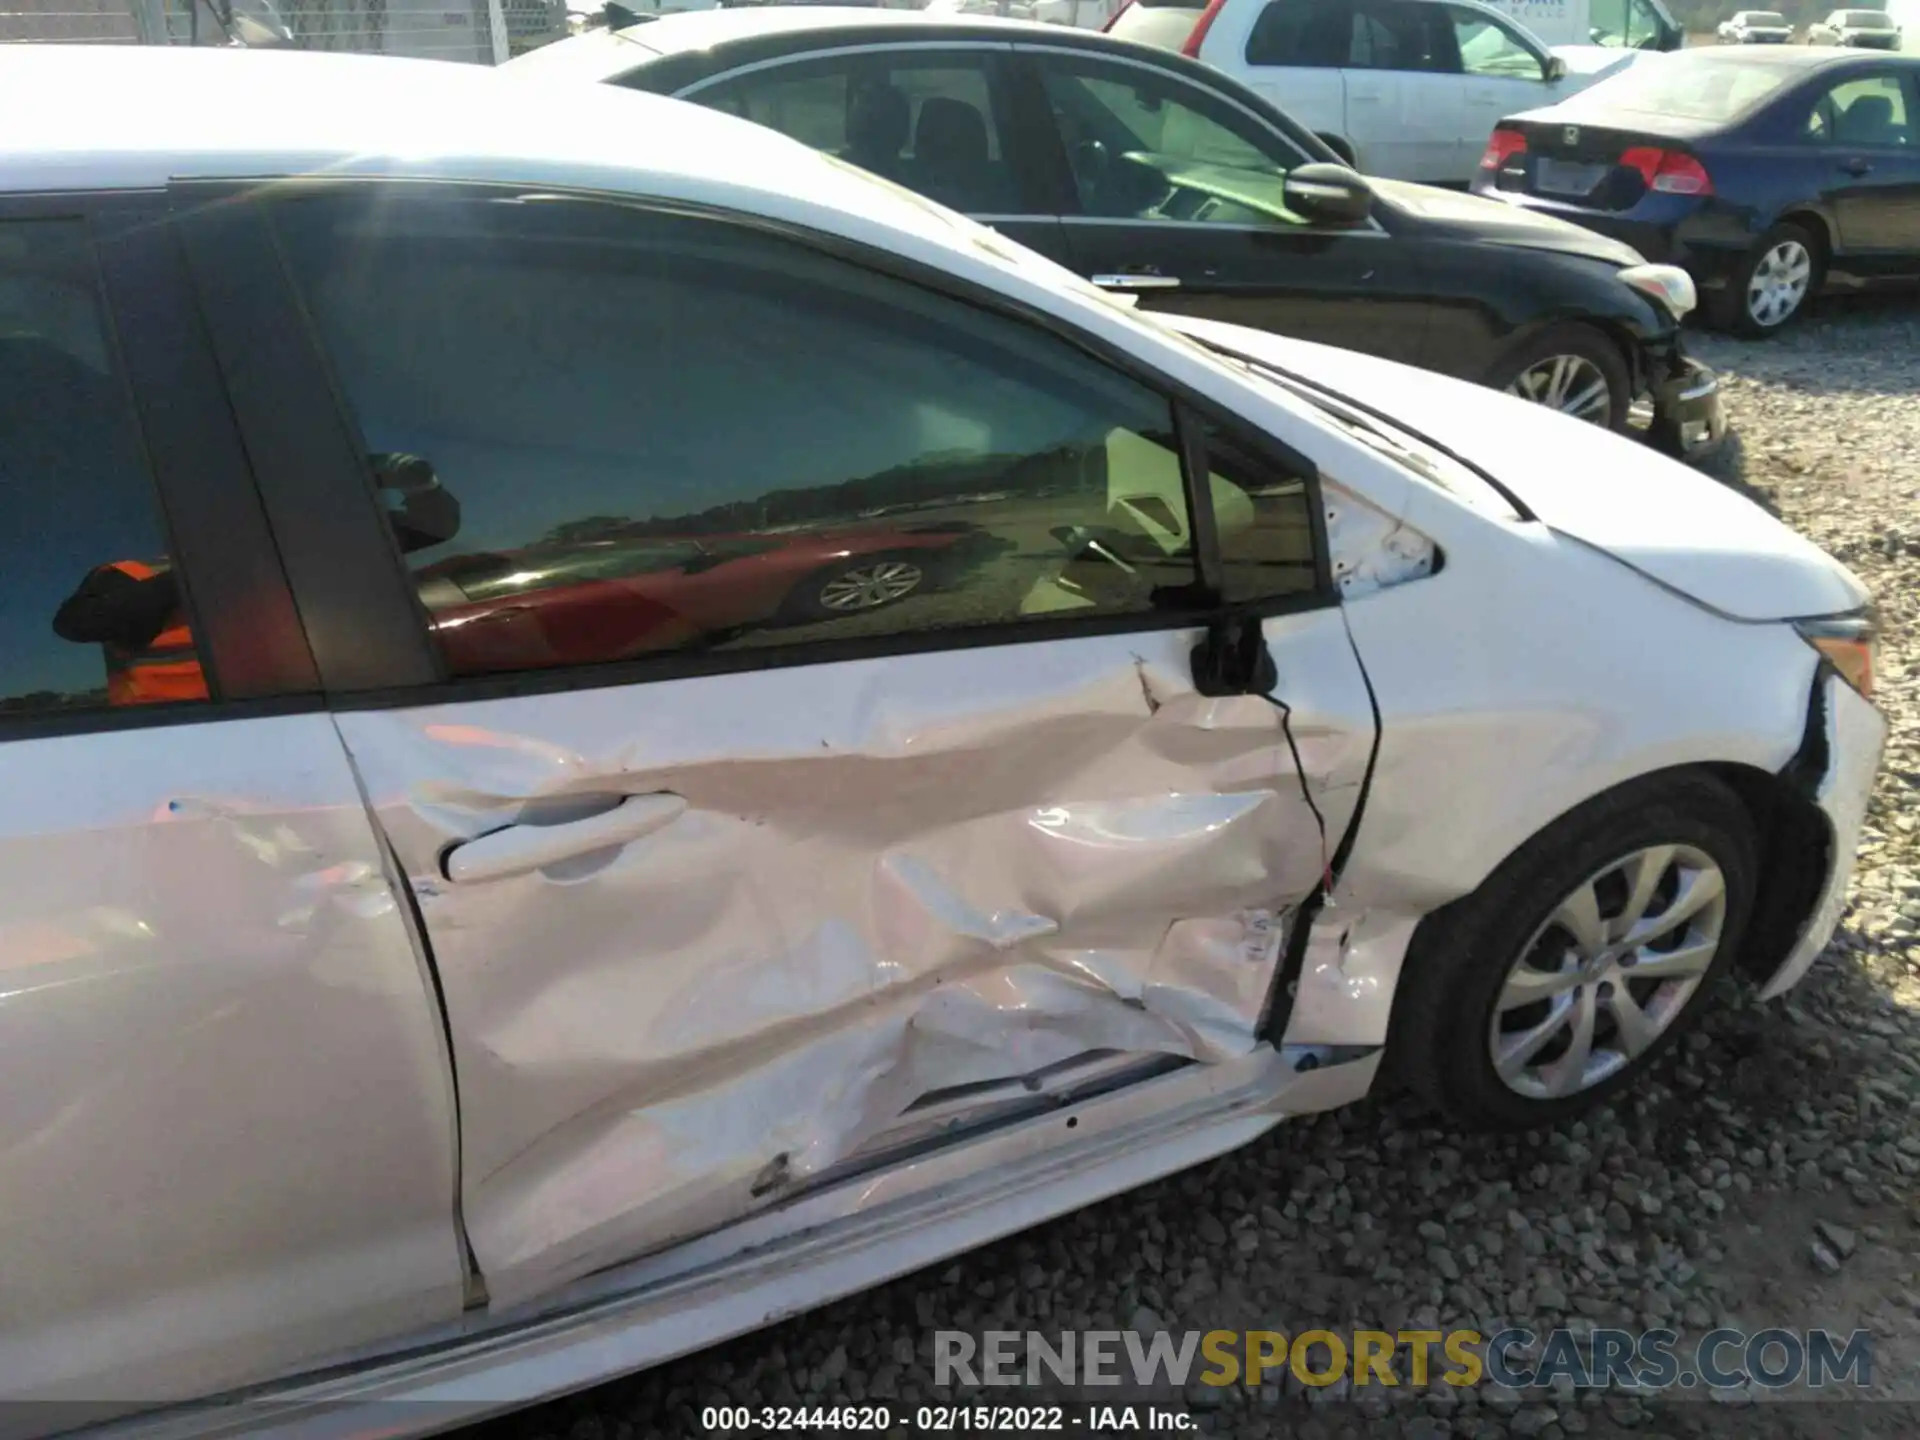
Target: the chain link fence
(480, 31)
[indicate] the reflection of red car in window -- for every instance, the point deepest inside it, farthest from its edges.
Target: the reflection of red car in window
(598, 600)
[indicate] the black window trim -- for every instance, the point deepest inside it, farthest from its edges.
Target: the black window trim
(234, 590)
(385, 670)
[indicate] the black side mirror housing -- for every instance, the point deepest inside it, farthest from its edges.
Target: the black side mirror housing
(1327, 194)
(1556, 69)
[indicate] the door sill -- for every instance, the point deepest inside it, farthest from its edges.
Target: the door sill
(818, 1248)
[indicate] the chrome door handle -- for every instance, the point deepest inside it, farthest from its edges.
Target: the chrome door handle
(1137, 282)
(520, 848)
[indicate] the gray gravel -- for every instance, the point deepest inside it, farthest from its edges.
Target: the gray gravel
(1766, 1176)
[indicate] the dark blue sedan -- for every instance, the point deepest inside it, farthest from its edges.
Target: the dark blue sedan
(1762, 171)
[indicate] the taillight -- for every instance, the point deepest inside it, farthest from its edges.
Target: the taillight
(1671, 172)
(1205, 23)
(1504, 145)
(1114, 19)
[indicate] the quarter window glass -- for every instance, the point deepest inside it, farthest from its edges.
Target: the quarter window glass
(929, 125)
(91, 612)
(666, 433)
(1871, 111)
(1490, 49)
(1147, 148)
(1264, 519)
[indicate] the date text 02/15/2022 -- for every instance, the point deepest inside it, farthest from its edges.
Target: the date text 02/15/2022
(947, 1419)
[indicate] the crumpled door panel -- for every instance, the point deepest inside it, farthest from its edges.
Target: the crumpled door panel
(891, 877)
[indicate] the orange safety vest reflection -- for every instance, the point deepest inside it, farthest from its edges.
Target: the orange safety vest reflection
(166, 668)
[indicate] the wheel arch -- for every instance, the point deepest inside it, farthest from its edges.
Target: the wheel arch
(1817, 224)
(1795, 841)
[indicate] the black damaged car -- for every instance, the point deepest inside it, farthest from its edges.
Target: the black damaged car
(1162, 178)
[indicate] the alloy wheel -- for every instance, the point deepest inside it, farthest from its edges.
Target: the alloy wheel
(1571, 384)
(867, 587)
(1608, 972)
(1779, 283)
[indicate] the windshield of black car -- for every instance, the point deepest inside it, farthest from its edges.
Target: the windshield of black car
(1692, 86)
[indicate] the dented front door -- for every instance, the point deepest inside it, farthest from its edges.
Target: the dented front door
(847, 888)
(851, 755)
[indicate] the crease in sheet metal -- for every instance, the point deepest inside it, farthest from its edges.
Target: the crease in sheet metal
(927, 891)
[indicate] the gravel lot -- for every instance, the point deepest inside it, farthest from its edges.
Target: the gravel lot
(1697, 1203)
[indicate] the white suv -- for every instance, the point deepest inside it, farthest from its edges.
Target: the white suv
(1409, 89)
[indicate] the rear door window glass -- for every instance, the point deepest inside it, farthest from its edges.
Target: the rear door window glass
(929, 122)
(92, 614)
(1868, 113)
(1314, 34)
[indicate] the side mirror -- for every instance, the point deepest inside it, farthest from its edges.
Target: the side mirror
(1326, 194)
(1556, 69)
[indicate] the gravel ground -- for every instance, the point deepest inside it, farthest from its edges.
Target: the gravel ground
(1765, 1176)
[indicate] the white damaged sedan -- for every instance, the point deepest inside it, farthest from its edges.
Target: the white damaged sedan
(614, 730)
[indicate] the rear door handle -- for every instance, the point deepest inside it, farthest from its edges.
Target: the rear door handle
(520, 848)
(1857, 166)
(1137, 282)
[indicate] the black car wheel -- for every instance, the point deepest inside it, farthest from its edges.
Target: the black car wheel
(1573, 369)
(1771, 286)
(1579, 960)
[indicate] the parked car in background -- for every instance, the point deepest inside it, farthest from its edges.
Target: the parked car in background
(1863, 29)
(1764, 172)
(1619, 24)
(1406, 89)
(395, 1035)
(1756, 27)
(1159, 177)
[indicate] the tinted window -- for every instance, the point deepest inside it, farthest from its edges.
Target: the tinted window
(1309, 33)
(1490, 49)
(1865, 20)
(667, 432)
(1150, 147)
(90, 610)
(1871, 111)
(929, 124)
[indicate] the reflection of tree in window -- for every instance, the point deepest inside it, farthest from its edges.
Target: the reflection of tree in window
(586, 375)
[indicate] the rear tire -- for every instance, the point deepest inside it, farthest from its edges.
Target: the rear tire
(1771, 287)
(1503, 968)
(1572, 368)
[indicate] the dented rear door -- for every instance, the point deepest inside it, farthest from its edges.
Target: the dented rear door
(899, 794)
